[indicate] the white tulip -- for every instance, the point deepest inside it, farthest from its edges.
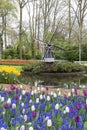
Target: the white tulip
(32, 108)
(69, 94)
(22, 104)
(55, 95)
(48, 98)
(21, 86)
(64, 112)
(30, 101)
(49, 123)
(2, 99)
(31, 128)
(73, 90)
(58, 89)
(42, 88)
(23, 111)
(38, 89)
(3, 112)
(37, 100)
(57, 106)
(41, 96)
(35, 91)
(59, 93)
(13, 106)
(3, 128)
(23, 92)
(67, 109)
(20, 97)
(22, 127)
(51, 93)
(9, 101)
(25, 117)
(86, 100)
(32, 93)
(83, 86)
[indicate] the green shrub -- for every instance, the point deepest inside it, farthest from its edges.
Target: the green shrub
(38, 67)
(62, 67)
(34, 67)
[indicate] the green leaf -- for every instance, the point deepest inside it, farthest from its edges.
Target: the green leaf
(85, 126)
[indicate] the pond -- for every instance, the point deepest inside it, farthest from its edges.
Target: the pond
(55, 81)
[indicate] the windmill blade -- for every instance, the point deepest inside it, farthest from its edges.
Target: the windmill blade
(38, 40)
(58, 47)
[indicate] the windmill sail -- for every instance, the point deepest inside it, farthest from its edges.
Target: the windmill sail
(48, 52)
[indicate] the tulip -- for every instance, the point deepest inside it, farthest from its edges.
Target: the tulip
(22, 104)
(31, 128)
(23, 92)
(6, 106)
(48, 98)
(77, 119)
(13, 106)
(9, 101)
(41, 97)
(57, 106)
(49, 123)
(34, 114)
(2, 99)
(32, 108)
(22, 127)
(67, 109)
(37, 100)
(25, 117)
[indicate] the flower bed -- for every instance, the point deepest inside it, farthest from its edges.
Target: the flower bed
(41, 110)
(8, 74)
(14, 62)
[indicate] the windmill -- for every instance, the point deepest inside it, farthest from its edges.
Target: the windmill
(49, 48)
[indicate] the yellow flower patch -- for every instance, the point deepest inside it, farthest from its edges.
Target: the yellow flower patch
(9, 70)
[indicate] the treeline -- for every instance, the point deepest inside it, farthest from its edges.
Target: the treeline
(66, 18)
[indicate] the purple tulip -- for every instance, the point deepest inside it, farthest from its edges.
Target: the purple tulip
(6, 106)
(30, 87)
(12, 87)
(16, 97)
(86, 106)
(75, 91)
(34, 114)
(47, 88)
(77, 118)
(85, 92)
(43, 93)
(65, 96)
(16, 89)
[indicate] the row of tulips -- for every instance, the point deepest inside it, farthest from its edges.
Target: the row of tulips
(8, 74)
(42, 110)
(14, 62)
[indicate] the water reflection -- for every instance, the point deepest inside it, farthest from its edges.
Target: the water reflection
(55, 81)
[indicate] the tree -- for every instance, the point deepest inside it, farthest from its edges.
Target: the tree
(6, 6)
(80, 14)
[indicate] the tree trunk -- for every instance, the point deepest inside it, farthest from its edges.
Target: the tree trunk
(80, 31)
(69, 21)
(1, 46)
(20, 33)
